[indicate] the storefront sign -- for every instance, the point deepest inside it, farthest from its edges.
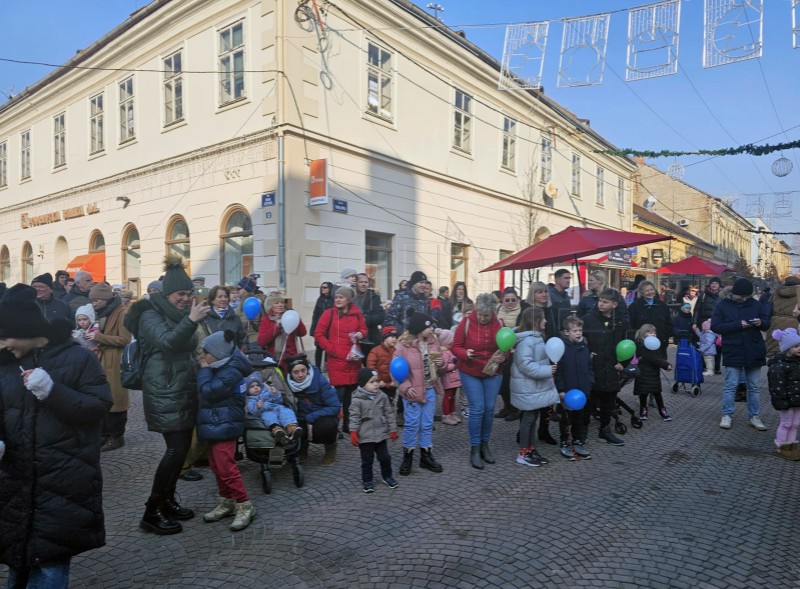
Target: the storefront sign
(71, 213)
(620, 256)
(318, 183)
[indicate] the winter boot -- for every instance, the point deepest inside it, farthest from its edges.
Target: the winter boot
(408, 460)
(544, 429)
(607, 435)
(173, 509)
(156, 520)
(280, 435)
(787, 452)
(486, 454)
(225, 508)
(475, 457)
(330, 454)
(426, 460)
(244, 513)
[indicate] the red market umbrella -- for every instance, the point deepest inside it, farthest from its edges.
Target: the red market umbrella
(694, 265)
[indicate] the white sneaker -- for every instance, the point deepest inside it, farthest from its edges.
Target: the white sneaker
(726, 422)
(708, 373)
(756, 422)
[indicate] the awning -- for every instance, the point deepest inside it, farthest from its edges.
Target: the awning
(94, 264)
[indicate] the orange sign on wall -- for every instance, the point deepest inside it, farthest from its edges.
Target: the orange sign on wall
(318, 183)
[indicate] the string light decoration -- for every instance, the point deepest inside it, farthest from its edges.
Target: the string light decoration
(782, 166)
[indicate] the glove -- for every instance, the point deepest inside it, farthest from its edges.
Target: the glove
(39, 383)
(2, 449)
(354, 438)
(393, 436)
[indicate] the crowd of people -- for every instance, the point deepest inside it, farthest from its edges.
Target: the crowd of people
(60, 377)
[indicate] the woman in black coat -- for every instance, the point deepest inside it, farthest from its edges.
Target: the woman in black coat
(324, 302)
(648, 308)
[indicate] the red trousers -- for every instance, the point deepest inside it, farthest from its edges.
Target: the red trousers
(226, 470)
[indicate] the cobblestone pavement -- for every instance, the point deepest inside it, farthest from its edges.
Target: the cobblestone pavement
(683, 504)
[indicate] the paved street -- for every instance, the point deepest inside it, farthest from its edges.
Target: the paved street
(683, 504)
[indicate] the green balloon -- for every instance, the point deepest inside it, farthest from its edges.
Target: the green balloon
(505, 339)
(625, 350)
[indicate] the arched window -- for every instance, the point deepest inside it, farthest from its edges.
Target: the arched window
(97, 242)
(131, 260)
(236, 246)
(61, 253)
(5, 265)
(27, 263)
(177, 242)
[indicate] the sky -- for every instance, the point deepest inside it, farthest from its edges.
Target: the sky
(748, 102)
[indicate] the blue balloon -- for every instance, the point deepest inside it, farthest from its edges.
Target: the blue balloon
(251, 308)
(399, 369)
(574, 400)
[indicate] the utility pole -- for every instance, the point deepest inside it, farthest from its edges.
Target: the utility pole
(436, 7)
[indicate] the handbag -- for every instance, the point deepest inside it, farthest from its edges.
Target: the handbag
(491, 368)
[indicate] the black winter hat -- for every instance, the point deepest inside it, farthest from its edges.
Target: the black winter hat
(742, 287)
(418, 322)
(716, 279)
(20, 316)
(417, 276)
(46, 279)
(364, 375)
(175, 276)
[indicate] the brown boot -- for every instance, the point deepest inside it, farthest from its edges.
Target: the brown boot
(330, 454)
(786, 452)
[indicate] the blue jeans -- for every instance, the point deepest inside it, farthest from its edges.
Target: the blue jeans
(752, 377)
(48, 575)
(481, 395)
(419, 421)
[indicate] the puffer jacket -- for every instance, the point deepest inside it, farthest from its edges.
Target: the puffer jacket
(741, 347)
(270, 333)
(222, 400)
(650, 364)
(449, 372)
(602, 336)
(55, 308)
(783, 376)
(374, 314)
(406, 299)
(783, 302)
(169, 378)
(413, 387)
(51, 485)
(318, 399)
(372, 416)
(379, 359)
(481, 339)
(333, 336)
(532, 384)
(575, 368)
(228, 321)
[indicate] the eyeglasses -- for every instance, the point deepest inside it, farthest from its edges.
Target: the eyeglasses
(511, 300)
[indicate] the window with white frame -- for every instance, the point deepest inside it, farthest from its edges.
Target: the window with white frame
(231, 63)
(576, 174)
(25, 155)
(97, 124)
(59, 140)
(378, 260)
(621, 195)
(380, 83)
(4, 164)
(509, 161)
(601, 186)
(462, 130)
(546, 160)
(173, 88)
(127, 129)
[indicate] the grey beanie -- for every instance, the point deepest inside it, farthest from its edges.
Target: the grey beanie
(218, 345)
(156, 284)
(347, 273)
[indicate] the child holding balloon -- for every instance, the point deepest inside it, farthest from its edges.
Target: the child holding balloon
(651, 360)
(574, 374)
(280, 328)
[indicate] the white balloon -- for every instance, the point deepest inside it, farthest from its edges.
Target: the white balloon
(290, 320)
(651, 342)
(554, 348)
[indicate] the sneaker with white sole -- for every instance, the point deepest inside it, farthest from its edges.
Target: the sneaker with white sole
(756, 422)
(567, 452)
(526, 459)
(726, 422)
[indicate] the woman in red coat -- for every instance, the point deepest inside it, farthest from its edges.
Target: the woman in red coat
(338, 330)
(271, 336)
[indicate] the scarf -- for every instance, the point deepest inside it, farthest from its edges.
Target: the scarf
(164, 307)
(299, 387)
(509, 318)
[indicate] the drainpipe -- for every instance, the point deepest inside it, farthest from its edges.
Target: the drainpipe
(281, 218)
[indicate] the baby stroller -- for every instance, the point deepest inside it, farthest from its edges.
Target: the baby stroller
(688, 369)
(259, 444)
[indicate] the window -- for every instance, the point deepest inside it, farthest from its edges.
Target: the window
(576, 174)
(173, 88)
(462, 131)
(237, 247)
(601, 186)
(25, 155)
(96, 124)
(3, 164)
(59, 141)
(231, 64)
(178, 242)
(378, 257)
(5, 265)
(509, 161)
(547, 160)
(27, 263)
(379, 82)
(621, 195)
(127, 129)
(131, 260)
(459, 259)
(97, 243)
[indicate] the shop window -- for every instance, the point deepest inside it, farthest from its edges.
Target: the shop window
(237, 247)
(378, 256)
(27, 263)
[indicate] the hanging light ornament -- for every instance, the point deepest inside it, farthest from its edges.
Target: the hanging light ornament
(782, 166)
(676, 171)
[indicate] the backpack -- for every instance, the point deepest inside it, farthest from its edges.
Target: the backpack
(131, 364)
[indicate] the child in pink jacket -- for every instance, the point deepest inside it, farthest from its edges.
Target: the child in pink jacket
(449, 378)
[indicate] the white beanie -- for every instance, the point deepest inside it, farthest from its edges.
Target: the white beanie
(87, 310)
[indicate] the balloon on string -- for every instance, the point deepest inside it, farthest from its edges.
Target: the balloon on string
(398, 368)
(651, 342)
(505, 339)
(625, 350)
(574, 400)
(251, 308)
(290, 320)
(554, 348)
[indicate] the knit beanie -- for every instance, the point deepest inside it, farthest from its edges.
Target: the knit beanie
(347, 273)
(686, 307)
(347, 292)
(87, 310)
(788, 338)
(101, 291)
(175, 276)
(364, 375)
(742, 287)
(219, 344)
(46, 279)
(716, 279)
(248, 284)
(20, 316)
(250, 379)
(388, 331)
(417, 276)
(156, 284)
(418, 322)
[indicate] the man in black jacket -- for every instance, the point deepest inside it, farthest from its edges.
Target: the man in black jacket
(560, 299)
(51, 307)
(370, 304)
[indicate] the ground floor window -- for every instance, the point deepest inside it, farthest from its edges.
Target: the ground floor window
(459, 263)
(378, 256)
(27, 263)
(178, 241)
(132, 260)
(237, 247)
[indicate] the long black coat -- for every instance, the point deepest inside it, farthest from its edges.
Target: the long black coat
(741, 347)
(784, 381)
(602, 335)
(657, 315)
(51, 486)
(650, 364)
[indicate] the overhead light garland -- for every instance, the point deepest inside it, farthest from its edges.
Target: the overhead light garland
(749, 148)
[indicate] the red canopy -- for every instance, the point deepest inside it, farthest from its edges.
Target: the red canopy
(694, 265)
(570, 244)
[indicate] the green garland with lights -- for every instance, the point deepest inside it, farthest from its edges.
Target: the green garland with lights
(750, 149)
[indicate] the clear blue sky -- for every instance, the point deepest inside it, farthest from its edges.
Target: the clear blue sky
(697, 108)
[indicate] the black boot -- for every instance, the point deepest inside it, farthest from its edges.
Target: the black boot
(426, 460)
(173, 510)
(475, 457)
(156, 520)
(486, 454)
(408, 460)
(544, 429)
(607, 435)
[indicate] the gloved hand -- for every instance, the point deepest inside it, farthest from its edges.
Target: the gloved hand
(393, 436)
(354, 438)
(39, 383)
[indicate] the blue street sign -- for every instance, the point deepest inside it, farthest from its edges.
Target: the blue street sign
(268, 199)
(269, 215)
(339, 206)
